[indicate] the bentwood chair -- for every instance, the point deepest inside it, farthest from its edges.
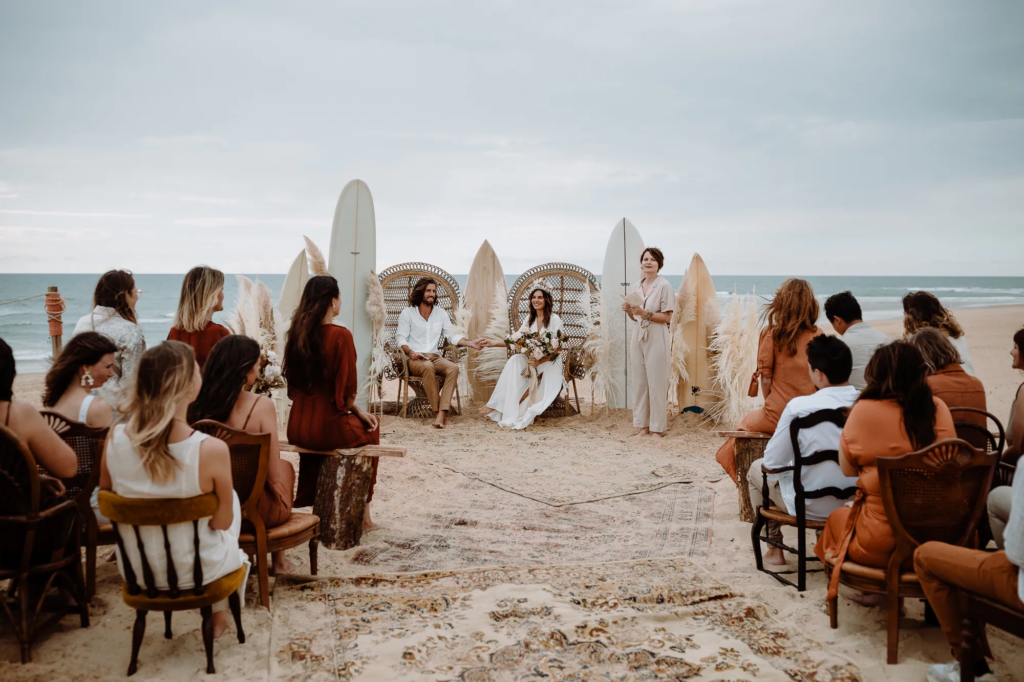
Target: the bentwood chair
(935, 494)
(39, 544)
(250, 464)
(970, 424)
(798, 519)
(979, 613)
(135, 513)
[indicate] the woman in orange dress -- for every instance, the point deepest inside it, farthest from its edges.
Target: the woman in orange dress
(896, 414)
(232, 367)
(320, 368)
(781, 361)
(947, 378)
(202, 295)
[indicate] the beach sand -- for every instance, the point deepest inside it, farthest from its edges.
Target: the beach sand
(454, 474)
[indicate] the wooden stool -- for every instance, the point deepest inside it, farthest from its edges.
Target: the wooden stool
(750, 447)
(342, 489)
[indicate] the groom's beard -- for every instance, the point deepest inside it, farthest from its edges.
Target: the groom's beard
(430, 301)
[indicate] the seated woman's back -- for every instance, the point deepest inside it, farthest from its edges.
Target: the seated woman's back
(947, 378)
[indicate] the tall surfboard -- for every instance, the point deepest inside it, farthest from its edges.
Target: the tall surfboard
(696, 316)
(620, 274)
(353, 254)
(291, 290)
(484, 276)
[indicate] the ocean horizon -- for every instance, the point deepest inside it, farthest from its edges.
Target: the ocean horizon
(23, 324)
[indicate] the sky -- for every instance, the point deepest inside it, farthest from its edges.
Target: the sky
(798, 137)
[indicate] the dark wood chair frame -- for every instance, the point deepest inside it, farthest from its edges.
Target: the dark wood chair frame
(988, 441)
(766, 513)
(942, 457)
(980, 612)
(136, 513)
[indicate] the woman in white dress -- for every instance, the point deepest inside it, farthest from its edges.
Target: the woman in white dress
(512, 403)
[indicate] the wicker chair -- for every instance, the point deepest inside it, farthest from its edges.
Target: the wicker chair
(798, 519)
(984, 439)
(937, 493)
(571, 288)
(88, 444)
(36, 544)
(148, 512)
(250, 463)
(398, 282)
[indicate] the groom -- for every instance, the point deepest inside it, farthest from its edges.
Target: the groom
(421, 327)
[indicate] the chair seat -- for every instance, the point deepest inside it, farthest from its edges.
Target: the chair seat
(780, 516)
(870, 572)
(297, 524)
(217, 591)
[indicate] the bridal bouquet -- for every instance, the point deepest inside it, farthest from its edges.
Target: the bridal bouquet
(536, 345)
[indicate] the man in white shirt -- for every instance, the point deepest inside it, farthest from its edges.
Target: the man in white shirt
(844, 314)
(829, 361)
(421, 328)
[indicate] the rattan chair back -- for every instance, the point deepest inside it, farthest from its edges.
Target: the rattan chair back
(19, 477)
(250, 460)
(88, 443)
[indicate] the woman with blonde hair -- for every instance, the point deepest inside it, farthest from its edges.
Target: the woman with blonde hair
(202, 295)
(155, 454)
(790, 324)
(922, 310)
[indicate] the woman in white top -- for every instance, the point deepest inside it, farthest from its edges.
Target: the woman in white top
(157, 455)
(512, 403)
(921, 310)
(113, 315)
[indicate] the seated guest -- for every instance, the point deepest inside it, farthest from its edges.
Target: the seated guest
(922, 310)
(202, 295)
(86, 363)
(320, 368)
(896, 414)
(155, 454)
(232, 367)
(947, 379)
(830, 361)
(945, 570)
(781, 361)
(1015, 424)
(843, 312)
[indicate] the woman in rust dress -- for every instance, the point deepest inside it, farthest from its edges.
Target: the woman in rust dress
(781, 361)
(896, 414)
(320, 368)
(947, 378)
(202, 294)
(232, 367)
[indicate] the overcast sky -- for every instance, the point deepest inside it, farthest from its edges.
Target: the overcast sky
(771, 137)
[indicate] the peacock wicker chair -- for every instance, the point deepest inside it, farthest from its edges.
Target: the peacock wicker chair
(398, 282)
(571, 288)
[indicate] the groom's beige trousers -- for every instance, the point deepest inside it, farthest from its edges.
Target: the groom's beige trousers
(429, 367)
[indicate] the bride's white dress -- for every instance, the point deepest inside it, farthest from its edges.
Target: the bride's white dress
(511, 401)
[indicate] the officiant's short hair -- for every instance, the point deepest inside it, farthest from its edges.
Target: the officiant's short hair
(418, 291)
(656, 254)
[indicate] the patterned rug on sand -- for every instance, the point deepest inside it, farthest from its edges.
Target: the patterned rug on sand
(660, 619)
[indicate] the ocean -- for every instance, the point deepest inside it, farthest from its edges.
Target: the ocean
(23, 324)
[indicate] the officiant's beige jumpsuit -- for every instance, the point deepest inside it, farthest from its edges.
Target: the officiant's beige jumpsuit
(650, 359)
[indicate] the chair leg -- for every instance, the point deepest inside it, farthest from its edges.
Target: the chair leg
(458, 399)
(26, 623)
(91, 538)
(81, 594)
(833, 612)
(137, 633)
(892, 616)
(576, 392)
(967, 650)
(207, 614)
(167, 625)
(235, 604)
(261, 567)
(755, 539)
(313, 547)
(405, 401)
(801, 562)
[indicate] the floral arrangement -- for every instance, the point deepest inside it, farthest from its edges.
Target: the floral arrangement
(254, 317)
(536, 345)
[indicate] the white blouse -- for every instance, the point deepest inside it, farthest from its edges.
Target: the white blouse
(128, 338)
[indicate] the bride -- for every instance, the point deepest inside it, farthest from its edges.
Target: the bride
(511, 404)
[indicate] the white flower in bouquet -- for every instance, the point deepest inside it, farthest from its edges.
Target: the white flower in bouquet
(272, 357)
(516, 336)
(538, 353)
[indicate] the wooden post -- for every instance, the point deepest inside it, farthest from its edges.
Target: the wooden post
(54, 308)
(750, 447)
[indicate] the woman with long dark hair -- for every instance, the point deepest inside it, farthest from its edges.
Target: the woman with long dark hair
(85, 364)
(895, 414)
(202, 295)
(320, 368)
(527, 386)
(233, 365)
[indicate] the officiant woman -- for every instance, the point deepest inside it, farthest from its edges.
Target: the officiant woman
(650, 346)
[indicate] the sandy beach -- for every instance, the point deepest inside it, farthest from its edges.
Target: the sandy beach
(563, 492)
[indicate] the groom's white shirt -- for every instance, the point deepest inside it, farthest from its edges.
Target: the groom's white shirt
(424, 336)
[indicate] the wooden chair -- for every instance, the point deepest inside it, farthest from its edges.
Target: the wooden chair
(984, 439)
(39, 547)
(88, 444)
(799, 520)
(398, 282)
(250, 464)
(135, 513)
(980, 612)
(571, 288)
(937, 493)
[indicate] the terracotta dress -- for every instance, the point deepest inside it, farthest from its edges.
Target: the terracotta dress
(862, 532)
(202, 341)
(955, 387)
(790, 379)
(319, 419)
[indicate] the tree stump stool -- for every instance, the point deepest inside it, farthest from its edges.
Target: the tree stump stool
(342, 489)
(750, 447)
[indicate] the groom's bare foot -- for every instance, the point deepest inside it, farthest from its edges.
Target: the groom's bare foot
(441, 420)
(640, 432)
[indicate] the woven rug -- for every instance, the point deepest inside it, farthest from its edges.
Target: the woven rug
(474, 525)
(662, 619)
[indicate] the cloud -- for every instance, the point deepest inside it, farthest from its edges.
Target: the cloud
(248, 222)
(71, 214)
(208, 200)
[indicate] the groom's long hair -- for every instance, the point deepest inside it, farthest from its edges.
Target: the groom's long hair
(418, 291)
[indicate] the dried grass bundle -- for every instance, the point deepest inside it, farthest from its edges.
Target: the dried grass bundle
(734, 360)
(491, 361)
(463, 317)
(379, 358)
(596, 351)
(317, 262)
(684, 310)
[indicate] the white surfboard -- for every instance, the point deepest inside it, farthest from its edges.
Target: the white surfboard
(291, 290)
(353, 254)
(697, 305)
(484, 275)
(620, 274)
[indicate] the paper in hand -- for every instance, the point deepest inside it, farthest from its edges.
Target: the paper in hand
(634, 299)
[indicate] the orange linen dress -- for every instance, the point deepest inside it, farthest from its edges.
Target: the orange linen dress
(790, 378)
(319, 419)
(874, 429)
(202, 341)
(955, 387)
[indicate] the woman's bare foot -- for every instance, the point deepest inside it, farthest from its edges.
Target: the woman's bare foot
(657, 434)
(281, 564)
(484, 411)
(368, 523)
(640, 432)
(865, 599)
(775, 557)
(220, 623)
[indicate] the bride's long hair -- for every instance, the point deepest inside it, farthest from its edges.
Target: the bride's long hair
(549, 306)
